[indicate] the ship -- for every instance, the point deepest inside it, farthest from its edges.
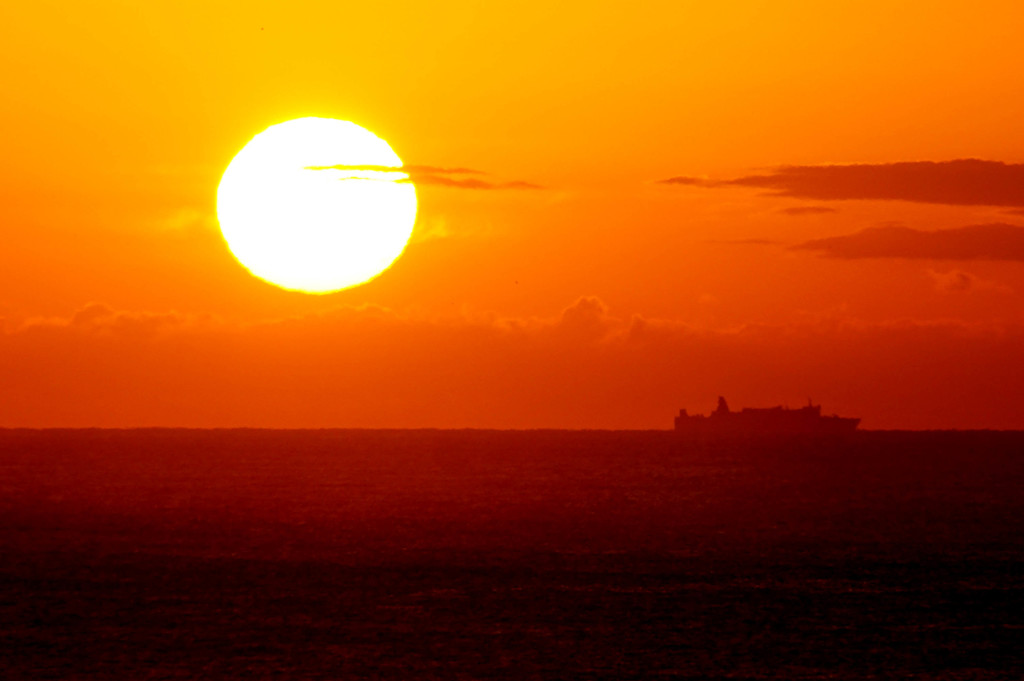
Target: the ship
(723, 421)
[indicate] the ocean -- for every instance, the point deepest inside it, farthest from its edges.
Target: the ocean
(431, 554)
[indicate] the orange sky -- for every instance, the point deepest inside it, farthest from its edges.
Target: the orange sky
(607, 298)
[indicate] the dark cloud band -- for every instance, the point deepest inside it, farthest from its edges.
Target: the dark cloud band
(975, 242)
(963, 182)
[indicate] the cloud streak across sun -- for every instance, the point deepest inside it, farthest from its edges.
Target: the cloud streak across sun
(455, 178)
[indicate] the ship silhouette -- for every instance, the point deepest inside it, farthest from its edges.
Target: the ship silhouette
(764, 421)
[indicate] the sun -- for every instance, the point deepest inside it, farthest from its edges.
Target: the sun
(316, 205)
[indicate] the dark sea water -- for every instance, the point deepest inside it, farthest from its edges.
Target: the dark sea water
(177, 554)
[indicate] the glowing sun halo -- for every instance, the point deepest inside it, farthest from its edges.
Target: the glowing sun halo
(316, 205)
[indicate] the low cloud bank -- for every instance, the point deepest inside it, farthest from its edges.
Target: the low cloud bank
(583, 368)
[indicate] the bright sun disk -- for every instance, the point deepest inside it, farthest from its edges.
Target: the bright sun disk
(312, 205)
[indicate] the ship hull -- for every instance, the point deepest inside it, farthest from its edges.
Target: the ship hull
(739, 424)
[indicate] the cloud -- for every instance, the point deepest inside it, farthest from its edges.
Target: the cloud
(689, 181)
(962, 182)
(807, 210)
(976, 242)
(371, 366)
(745, 242)
(954, 281)
(189, 219)
(101, 320)
(587, 318)
(425, 175)
(467, 183)
(958, 281)
(437, 170)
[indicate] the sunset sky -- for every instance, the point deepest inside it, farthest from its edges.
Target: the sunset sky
(670, 201)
